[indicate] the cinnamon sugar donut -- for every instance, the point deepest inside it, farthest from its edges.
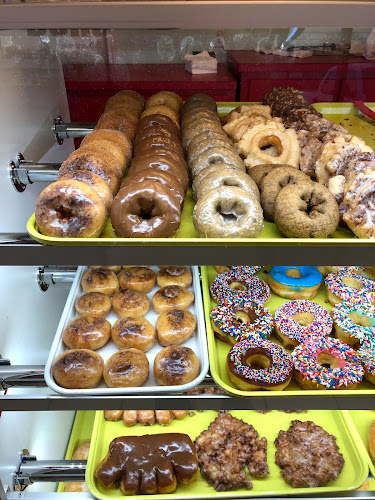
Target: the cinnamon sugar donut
(172, 297)
(87, 332)
(93, 303)
(126, 368)
(127, 303)
(174, 327)
(112, 141)
(125, 96)
(138, 278)
(134, 332)
(175, 275)
(176, 365)
(100, 280)
(114, 121)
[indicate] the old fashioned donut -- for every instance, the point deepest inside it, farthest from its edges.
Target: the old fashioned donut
(165, 98)
(300, 320)
(162, 110)
(100, 280)
(326, 363)
(239, 286)
(248, 110)
(172, 297)
(112, 141)
(175, 275)
(126, 368)
(223, 178)
(70, 209)
(138, 278)
(258, 172)
(349, 288)
(87, 332)
(94, 303)
(208, 171)
(125, 96)
(159, 120)
(145, 210)
(255, 364)
(175, 326)
(214, 156)
(354, 323)
(228, 213)
(366, 354)
(127, 303)
(234, 322)
(78, 369)
(295, 282)
(176, 365)
(306, 211)
(134, 332)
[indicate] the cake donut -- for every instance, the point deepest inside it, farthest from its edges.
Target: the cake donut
(295, 282)
(354, 323)
(229, 288)
(232, 323)
(300, 320)
(325, 363)
(366, 354)
(350, 288)
(254, 364)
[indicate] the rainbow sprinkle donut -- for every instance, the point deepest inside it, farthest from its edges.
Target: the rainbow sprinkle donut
(249, 319)
(298, 320)
(349, 288)
(366, 354)
(235, 286)
(354, 323)
(325, 270)
(248, 269)
(275, 364)
(312, 357)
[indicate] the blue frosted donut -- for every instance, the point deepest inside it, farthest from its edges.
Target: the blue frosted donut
(295, 282)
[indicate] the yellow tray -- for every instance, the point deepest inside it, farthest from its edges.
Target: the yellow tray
(344, 113)
(361, 420)
(81, 432)
(218, 350)
(354, 474)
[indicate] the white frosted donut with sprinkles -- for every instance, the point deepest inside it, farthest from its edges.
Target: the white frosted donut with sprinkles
(354, 323)
(326, 363)
(232, 323)
(299, 320)
(366, 354)
(259, 364)
(234, 286)
(349, 288)
(325, 270)
(248, 269)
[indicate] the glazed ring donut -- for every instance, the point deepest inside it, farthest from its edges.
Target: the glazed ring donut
(345, 287)
(176, 365)
(112, 141)
(70, 209)
(172, 297)
(165, 98)
(203, 146)
(223, 178)
(236, 286)
(300, 320)
(127, 303)
(162, 110)
(87, 332)
(138, 278)
(232, 323)
(202, 126)
(175, 275)
(94, 303)
(78, 369)
(126, 368)
(156, 131)
(326, 270)
(115, 269)
(157, 119)
(228, 213)
(326, 363)
(366, 354)
(295, 282)
(205, 136)
(158, 141)
(163, 163)
(255, 364)
(208, 171)
(174, 327)
(258, 172)
(306, 211)
(193, 116)
(354, 323)
(200, 100)
(214, 156)
(125, 96)
(134, 332)
(100, 280)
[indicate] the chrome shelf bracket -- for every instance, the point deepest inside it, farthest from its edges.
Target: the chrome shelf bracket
(24, 172)
(51, 275)
(65, 130)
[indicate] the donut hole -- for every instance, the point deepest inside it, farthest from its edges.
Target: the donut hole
(360, 320)
(258, 361)
(64, 212)
(304, 318)
(246, 316)
(352, 282)
(228, 213)
(271, 145)
(293, 273)
(145, 214)
(237, 285)
(326, 360)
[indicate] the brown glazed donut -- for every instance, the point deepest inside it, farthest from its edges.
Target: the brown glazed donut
(138, 278)
(164, 163)
(112, 140)
(162, 110)
(158, 119)
(158, 141)
(176, 365)
(94, 303)
(175, 275)
(155, 131)
(126, 368)
(306, 211)
(172, 297)
(126, 96)
(100, 280)
(70, 209)
(147, 210)
(175, 327)
(78, 369)
(133, 332)
(127, 303)
(87, 332)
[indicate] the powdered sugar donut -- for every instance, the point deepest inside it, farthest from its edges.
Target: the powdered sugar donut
(354, 323)
(234, 286)
(350, 288)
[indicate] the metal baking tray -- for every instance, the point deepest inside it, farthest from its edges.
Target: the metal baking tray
(345, 114)
(218, 349)
(198, 343)
(353, 475)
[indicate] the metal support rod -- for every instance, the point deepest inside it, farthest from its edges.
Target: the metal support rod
(33, 471)
(50, 275)
(68, 130)
(24, 172)
(22, 376)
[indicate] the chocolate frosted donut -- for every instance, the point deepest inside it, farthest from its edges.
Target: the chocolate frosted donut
(163, 163)
(147, 210)
(158, 119)
(155, 131)
(158, 141)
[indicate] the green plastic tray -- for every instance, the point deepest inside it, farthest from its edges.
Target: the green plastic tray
(218, 349)
(354, 474)
(361, 421)
(344, 113)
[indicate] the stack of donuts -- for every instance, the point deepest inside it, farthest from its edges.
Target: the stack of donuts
(227, 198)
(151, 199)
(77, 205)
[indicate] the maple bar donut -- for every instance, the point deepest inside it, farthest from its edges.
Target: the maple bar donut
(78, 369)
(126, 368)
(70, 209)
(172, 297)
(94, 303)
(354, 323)
(127, 303)
(87, 332)
(227, 177)
(300, 320)
(100, 280)
(175, 275)
(326, 363)
(176, 365)
(235, 322)
(175, 326)
(349, 288)
(235, 286)
(326, 270)
(138, 278)
(255, 364)
(165, 98)
(366, 354)
(134, 332)
(295, 282)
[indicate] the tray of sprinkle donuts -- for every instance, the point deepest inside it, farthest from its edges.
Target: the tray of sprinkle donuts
(130, 330)
(291, 329)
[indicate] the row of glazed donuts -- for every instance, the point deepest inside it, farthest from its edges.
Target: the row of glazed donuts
(77, 205)
(151, 199)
